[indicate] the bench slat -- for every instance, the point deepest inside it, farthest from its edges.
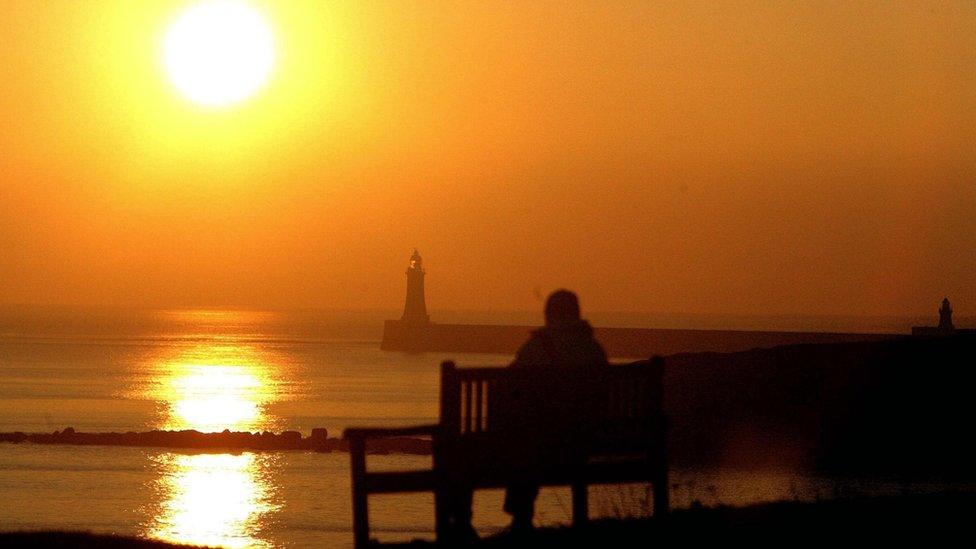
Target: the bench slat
(478, 418)
(467, 387)
(637, 470)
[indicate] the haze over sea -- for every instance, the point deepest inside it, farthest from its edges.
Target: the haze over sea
(99, 369)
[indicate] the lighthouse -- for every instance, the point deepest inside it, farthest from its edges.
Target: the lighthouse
(415, 307)
(945, 327)
(945, 317)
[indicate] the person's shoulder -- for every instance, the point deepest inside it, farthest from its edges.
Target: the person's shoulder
(598, 354)
(533, 351)
(537, 337)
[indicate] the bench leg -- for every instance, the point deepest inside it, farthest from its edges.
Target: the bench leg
(581, 504)
(360, 502)
(661, 489)
(441, 519)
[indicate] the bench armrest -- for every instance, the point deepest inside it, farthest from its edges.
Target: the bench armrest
(362, 433)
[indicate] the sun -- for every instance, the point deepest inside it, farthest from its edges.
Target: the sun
(219, 52)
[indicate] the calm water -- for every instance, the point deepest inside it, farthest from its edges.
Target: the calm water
(110, 370)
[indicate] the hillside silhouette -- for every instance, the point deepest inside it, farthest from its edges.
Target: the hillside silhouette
(892, 407)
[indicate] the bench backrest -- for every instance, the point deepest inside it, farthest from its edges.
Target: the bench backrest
(623, 404)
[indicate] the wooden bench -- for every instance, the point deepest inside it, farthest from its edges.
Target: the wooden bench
(624, 442)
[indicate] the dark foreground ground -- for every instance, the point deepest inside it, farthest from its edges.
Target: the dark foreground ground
(921, 519)
(929, 520)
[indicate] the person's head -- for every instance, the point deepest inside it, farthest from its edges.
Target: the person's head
(562, 307)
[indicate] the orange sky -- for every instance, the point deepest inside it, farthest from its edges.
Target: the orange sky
(730, 157)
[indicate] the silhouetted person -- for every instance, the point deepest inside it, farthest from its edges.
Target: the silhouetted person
(558, 359)
(546, 412)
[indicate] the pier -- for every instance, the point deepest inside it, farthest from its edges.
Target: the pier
(414, 332)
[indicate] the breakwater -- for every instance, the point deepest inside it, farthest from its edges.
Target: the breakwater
(224, 441)
(399, 335)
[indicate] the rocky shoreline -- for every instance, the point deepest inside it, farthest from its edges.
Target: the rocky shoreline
(319, 441)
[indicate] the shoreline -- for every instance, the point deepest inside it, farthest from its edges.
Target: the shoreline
(266, 441)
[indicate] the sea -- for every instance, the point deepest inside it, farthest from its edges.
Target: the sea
(111, 369)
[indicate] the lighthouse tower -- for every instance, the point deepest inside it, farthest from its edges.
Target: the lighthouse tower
(945, 324)
(945, 317)
(415, 308)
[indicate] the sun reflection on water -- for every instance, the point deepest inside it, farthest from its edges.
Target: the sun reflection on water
(210, 381)
(212, 499)
(213, 387)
